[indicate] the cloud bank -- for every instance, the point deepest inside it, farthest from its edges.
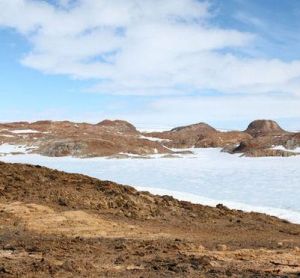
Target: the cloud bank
(149, 47)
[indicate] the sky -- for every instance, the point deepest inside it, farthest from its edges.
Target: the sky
(155, 63)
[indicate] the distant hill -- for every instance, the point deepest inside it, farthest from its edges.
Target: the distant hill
(122, 139)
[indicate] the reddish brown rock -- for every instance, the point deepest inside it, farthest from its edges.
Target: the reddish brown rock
(117, 125)
(65, 138)
(200, 136)
(264, 128)
(108, 138)
(267, 137)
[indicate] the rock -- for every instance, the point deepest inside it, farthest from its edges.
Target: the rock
(200, 128)
(264, 127)
(183, 152)
(201, 247)
(221, 247)
(121, 126)
(170, 156)
(280, 244)
(221, 207)
(118, 156)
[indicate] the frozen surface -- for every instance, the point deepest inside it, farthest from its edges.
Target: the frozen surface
(153, 138)
(282, 148)
(267, 184)
(7, 149)
(24, 131)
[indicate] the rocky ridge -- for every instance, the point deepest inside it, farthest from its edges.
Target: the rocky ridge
(121, 139)
(269, 139)
(79, 139)
(261, 138)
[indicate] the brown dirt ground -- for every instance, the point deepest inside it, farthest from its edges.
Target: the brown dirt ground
(54, 224)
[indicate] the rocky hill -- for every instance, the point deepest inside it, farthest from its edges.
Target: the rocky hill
(200, 135)
(122, 140)
(54, 224)
(79, 139)
(261, 138)
(260, 128)
(268, 139)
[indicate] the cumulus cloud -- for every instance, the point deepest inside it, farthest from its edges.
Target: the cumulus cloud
(147, 47)
(230, 108)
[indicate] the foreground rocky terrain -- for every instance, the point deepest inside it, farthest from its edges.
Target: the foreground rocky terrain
(121, 139)
(54, 224)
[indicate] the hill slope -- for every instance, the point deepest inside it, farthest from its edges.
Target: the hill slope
(54, 224)
(121, 139)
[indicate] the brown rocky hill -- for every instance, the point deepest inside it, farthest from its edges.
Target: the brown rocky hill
(261, 138)
(264, 128)
(54, 224)
(120, 138)
(79, 139)
(200, 135)
(266, 136)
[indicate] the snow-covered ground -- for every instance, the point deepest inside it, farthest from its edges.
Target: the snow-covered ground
(267, 184)
(24, 131)
(282, 148)
(8, 149)
(155, 139)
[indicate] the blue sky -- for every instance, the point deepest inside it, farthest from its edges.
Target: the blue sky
(184, 61)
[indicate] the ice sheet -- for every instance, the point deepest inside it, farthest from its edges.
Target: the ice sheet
(266, 184)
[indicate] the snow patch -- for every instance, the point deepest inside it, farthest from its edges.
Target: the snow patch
(153, 129)
(6, 149)
(24, 131)
(155, 139)
(282, 148)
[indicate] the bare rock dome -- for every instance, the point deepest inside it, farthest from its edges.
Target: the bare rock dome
(118, 125)
(263, 128)
(200, 127)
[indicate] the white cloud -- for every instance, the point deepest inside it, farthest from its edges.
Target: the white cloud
(147, 47)
(229, 107)
(249, 19)
(64, 3)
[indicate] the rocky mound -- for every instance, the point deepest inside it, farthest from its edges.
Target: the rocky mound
(122, 139)
(264, 128)
(54, 224)
(121, 126)
(200, 136)
(268, 139)
(65, 138)
(200, 128)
